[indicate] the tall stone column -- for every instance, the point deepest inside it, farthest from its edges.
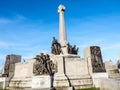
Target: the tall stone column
(62, 29)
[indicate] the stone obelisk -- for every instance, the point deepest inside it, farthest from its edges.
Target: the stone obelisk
(62, 30)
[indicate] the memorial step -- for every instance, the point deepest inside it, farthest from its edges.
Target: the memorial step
(115, 76)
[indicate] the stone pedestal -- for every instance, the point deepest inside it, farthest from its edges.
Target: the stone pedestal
(74, 65)
(97, 78)
(71, 71)
(60, 80)
(41, 82)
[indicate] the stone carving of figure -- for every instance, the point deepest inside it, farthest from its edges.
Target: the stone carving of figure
(43, 65)
(69, 48)
(56, 47)
(37, 68)
(72, 50)
(97, 62)
(75, 50)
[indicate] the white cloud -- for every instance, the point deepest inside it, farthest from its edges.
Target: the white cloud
(112, 46)
(14, 19)
(3, 44)
(2, 57)
(4, 21)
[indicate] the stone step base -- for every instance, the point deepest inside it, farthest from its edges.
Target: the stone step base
(114, 76)
(84, 86)
(26, 88)
(64, 88)
(75, 87)
(23, 82)
(76, 82)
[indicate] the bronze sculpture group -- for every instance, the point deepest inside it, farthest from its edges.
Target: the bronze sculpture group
(56, 48)
(43, 65)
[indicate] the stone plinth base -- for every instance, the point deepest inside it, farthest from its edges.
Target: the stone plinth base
(26, 88)
(72, 71)
(65, 88)
(97, 77)
(110, 84)
(77, 82)
(60, 80)
(41, 82)
(20, 83)
(4, 82)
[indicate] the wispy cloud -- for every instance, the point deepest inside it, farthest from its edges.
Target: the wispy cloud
(14, 19)
(31, 38)
(20, 17)
(2, 57)
(23, 38)
(4, 21)
(102, 31)
(3, 44)
(112, 46)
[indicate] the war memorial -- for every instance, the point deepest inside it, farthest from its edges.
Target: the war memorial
(62, 68)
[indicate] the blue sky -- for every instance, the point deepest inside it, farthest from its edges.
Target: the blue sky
(27, 26)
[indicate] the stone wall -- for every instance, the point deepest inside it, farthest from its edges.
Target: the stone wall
(110, 84)
(96, 77)
(23, 75)
(24, 69)
(75, 66)
(110, 67)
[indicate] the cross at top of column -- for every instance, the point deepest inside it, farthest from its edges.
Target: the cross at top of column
(61, 8)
